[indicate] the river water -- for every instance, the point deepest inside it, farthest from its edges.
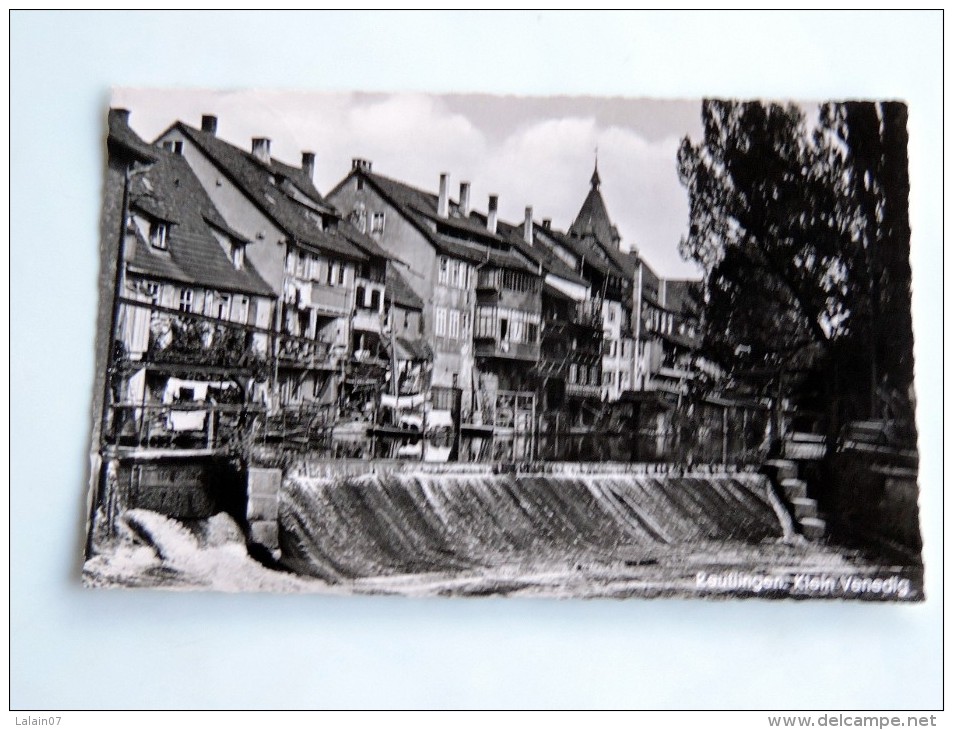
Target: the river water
(572, 534)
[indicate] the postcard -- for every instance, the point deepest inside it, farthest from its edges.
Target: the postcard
(469, 345)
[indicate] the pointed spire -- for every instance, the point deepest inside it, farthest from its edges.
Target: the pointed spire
(594, 180)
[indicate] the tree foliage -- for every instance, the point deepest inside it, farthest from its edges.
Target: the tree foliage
(800, 221)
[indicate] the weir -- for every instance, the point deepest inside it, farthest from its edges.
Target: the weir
(341, 521)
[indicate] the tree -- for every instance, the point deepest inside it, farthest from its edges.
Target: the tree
(801, 228)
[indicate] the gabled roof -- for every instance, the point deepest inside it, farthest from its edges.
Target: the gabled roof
(170, 192)
(583, 250)
(461, 237)
(481, 254)
(123, 140)
(678, 296)
(539, 253)
(400, 292)
(268, 188)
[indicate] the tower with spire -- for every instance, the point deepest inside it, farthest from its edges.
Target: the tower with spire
(593, 218)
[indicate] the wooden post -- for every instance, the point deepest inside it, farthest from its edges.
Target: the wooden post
(724, 434)
(210, 438)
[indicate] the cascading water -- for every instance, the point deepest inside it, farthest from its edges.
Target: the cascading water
(353, 526)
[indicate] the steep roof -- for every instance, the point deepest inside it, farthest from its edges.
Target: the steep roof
(593, 226)
(678, 296)
(282, 192)
(122, 140)
(582, 248)
(539, 253)
(400, 292)
(593, 217)
(170, 192)
(462, 237)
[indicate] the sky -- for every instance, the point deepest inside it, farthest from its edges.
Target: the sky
(537, 151)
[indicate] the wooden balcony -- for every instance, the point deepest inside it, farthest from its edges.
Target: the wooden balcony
(583, 391)
(676, 373)
(490, 347)
(367, 320)
(330, 301)
(199, 427)
(305, 353)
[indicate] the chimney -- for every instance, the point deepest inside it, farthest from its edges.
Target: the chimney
(443, 201)
(210, 124)
(358, 163)
(491, 213)
(307, 164)
(464, 199)
(528, 225)
(121, 114)
(547, 223)
(261, 149)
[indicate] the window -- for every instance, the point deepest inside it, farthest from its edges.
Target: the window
(360, 183)
(359, 297)
(185, 300)
(611, 313)
(290, 262)
(455, 280)
(301, 265)
(224, 306)
(440, 321)
(333, 273)
(444, 270)
(243, 310)
(532, 333)
(376, 300)
(238, 255)
(341, 275)
(152, 291)
(174, 146)
(157, 236)
(377, 223)
(454, 324)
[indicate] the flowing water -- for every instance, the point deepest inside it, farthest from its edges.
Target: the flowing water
(348, 527)
(563, 531)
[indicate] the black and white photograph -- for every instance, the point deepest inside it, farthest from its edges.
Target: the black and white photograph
(474, 345)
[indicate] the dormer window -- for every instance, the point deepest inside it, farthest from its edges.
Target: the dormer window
(238, 255)
(224, 308)
(158, 235)
(377, 223)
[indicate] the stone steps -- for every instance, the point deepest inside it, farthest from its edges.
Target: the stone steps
(813, 528)
(780, 469)
(793, 492)
(793, 489)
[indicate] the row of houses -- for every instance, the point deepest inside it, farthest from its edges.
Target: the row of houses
(377, 319)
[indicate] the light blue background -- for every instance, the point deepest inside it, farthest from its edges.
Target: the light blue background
(72, 648)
